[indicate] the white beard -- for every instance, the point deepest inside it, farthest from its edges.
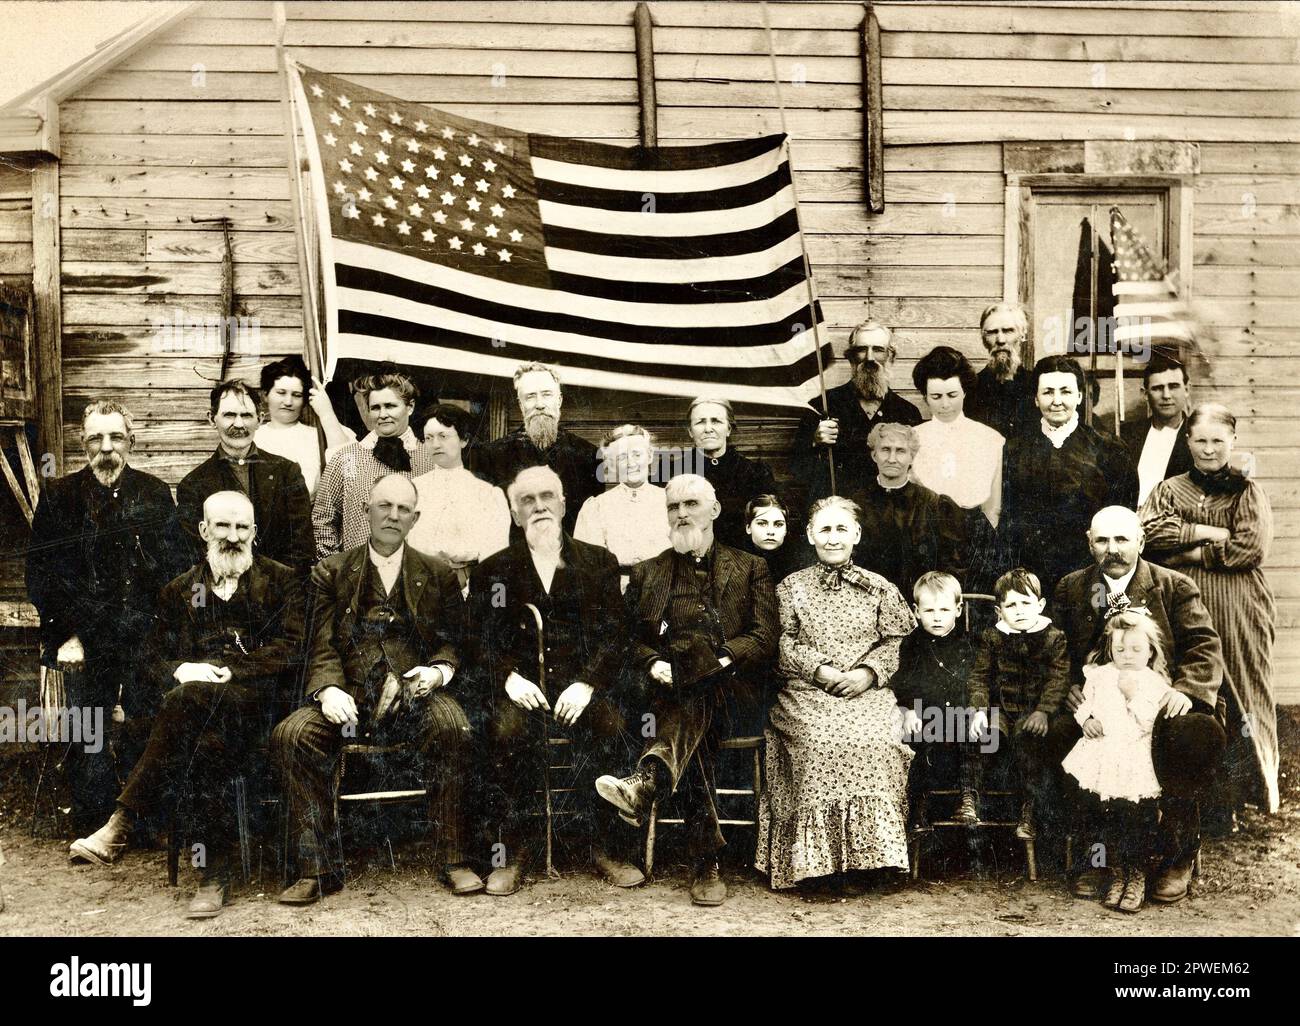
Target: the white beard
(107, 475)
(1005, 365)
(870, 382)
(544, 537)
(229, 564)
(687, 538)
(543, 429)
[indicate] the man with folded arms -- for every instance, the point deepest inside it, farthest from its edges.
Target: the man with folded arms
(227, 634)
(384, 645)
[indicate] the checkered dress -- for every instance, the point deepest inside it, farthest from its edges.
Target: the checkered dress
(338, 514)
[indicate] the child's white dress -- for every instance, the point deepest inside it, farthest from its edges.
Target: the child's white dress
(1117, 764)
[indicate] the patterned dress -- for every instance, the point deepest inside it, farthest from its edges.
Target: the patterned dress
(1239, 600)
(836, 794)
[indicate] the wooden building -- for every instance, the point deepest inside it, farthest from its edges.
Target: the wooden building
(1002, 125)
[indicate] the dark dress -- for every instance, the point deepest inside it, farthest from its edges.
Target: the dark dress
(909, 531)
(1050, 495)
(573, 458)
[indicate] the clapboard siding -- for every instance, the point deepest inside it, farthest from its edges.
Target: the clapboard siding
(191, 126)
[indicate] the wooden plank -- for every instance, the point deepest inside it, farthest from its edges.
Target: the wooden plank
(1247, 190)
(1078, 75)
(1214, 280)
(275, 247)
(1239, 219)
(174, 214)
(907, 281)
(1220, 311)
(905, 219)
(1016, 19)
(1217, 103)
(110, 341)
(103, 244)
(15, 258)
(181, 278)
(1219, 158)
(185, 183)
(1095, 48)
(902, 187)
(205, 151)
(16, 221)
(645, 75)
(47, 310)
(1218, 249)
(920, 250)
(908, 127)
(159, 371)
(270, 311)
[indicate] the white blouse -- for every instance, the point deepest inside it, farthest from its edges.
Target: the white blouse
(962, 460)
(296, 442)
(460, 514)
(631, 522)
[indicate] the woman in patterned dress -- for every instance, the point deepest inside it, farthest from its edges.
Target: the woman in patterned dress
(1216, 526)
(836, 795)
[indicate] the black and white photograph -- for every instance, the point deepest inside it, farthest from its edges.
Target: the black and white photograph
(716, 469)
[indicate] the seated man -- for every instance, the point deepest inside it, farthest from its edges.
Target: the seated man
(575, 586)
(226, 634)
(1188, 740)
(385, 641)
(705, 628)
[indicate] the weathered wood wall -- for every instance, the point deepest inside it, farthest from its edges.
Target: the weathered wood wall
(191, 126)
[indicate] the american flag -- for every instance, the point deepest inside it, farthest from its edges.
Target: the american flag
(1147, 304)
(456, 244)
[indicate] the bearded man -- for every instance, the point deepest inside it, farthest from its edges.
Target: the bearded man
(541, 442)
(705, 630)
(228, 633)
(575, 587)
(852, 410)
(104, 542)
(1003, 397)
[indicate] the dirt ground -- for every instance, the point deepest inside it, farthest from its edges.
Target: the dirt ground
(1250, 885)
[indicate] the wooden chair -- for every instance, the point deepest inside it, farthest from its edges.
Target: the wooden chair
(350, 799)
(267, 797)
(998, 796)
(753, 744)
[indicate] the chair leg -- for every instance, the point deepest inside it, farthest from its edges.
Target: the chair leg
(1031, 862)
(916, 857)
(650, 840)
(241, 821)
(40, 779)
(173, 848)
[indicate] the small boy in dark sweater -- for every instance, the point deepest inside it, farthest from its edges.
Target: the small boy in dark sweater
(934, 663)
(1021, 675)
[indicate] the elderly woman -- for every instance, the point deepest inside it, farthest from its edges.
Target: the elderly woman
(736, 478)
(913, 529)
(959, 457)
(1216, 526)
(287, 388)
(836, 795)
(631, 518)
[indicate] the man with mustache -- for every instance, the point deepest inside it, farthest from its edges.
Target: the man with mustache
(273, 484)
(1003, 397)
(705, 631)
(229, 631)
(387, 627)
(853, 409)
(105, 540)
(1188, 739)
(339, 515)
(575, 586)
(541, 442)
(1055, 477)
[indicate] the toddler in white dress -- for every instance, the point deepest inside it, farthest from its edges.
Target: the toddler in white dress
(1125, 684)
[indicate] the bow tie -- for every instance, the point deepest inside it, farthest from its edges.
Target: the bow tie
(390, 451)
(832, 578)
(1116, 602)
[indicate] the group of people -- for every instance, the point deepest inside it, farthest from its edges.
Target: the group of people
(310, 589)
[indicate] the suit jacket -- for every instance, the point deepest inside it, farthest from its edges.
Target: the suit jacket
(584, 623)
(94, 570)
(281, 507)
(853, 463)
(736, 479)
(1191, 644)
(1134, 435)
(742, 594)
(572, 457)
(1007, 407)
(267, 658)
(432, 595)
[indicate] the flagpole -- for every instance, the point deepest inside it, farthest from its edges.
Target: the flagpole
(311, 323)
(803, 245)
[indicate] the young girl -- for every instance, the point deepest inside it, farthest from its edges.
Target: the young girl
(1125, 680)
(767, 520)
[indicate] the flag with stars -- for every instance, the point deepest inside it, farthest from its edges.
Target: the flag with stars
(1147, 304)
(452, 243)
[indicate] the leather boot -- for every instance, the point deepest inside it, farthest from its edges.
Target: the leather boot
(708, 887)
(105, 845)
(632, 795)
